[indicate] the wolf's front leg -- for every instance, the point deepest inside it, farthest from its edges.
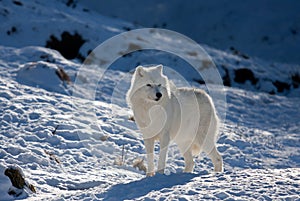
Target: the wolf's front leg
(149, 145)
(164, 141)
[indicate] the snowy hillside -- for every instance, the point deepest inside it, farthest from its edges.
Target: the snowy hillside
(82, 30)
(268, 29)
(83, 148)
(254, 145)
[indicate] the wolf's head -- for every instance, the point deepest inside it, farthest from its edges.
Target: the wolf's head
(149, 84)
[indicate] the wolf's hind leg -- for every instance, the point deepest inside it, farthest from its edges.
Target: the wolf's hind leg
(217, 159)
(189, 161)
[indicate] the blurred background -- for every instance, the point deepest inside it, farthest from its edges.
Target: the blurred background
(269, 29)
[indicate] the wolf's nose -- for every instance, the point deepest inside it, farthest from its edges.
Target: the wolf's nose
(158, 95)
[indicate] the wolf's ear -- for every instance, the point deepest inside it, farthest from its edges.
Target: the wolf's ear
(160, 67)
(140, 71)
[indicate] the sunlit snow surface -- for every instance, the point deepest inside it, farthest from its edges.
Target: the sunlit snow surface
(259, 143)
(71, 154)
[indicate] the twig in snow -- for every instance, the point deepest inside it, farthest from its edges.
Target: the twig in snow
(121, 160)
(139, 163)
(52, 156)
(123, 154)
(54, 131)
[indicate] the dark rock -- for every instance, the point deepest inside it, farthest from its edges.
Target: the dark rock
(296, 80)
(4, 12)
(18, 181)
(226, 77)
(68, 46)
(127, 28)
(63, 76)
(244, 56)
(16, 177)
(265, 38)
(18, 3)
(294, 31)
(12, 30)
(244, 74)
(200, 81)
(238, 53)
(281, 86)
(32, 188)
(71, 3)
(272, 92)
(47, 58)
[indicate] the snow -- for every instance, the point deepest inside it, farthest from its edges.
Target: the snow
(73, 146)
(265, 29)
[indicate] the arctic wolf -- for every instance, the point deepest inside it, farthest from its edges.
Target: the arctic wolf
(164, 113)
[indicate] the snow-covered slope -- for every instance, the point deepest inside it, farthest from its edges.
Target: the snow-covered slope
(261, 153)
(58, 25)
(268, 29)
(90, 153)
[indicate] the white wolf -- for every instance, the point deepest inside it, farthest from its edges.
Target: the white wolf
(163, 112)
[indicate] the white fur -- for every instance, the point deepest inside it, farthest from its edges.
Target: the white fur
(185, 115)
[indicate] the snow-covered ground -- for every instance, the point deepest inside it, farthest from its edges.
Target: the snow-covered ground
(75, 148)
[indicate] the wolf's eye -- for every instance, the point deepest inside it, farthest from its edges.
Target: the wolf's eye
(148, 85)
(159, 85)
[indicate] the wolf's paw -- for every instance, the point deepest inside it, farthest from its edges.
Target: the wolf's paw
(219, 169)
(188, 169)
(150, 174)
(161, 171)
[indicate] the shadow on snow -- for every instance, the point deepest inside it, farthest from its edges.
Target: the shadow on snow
(144, 186)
